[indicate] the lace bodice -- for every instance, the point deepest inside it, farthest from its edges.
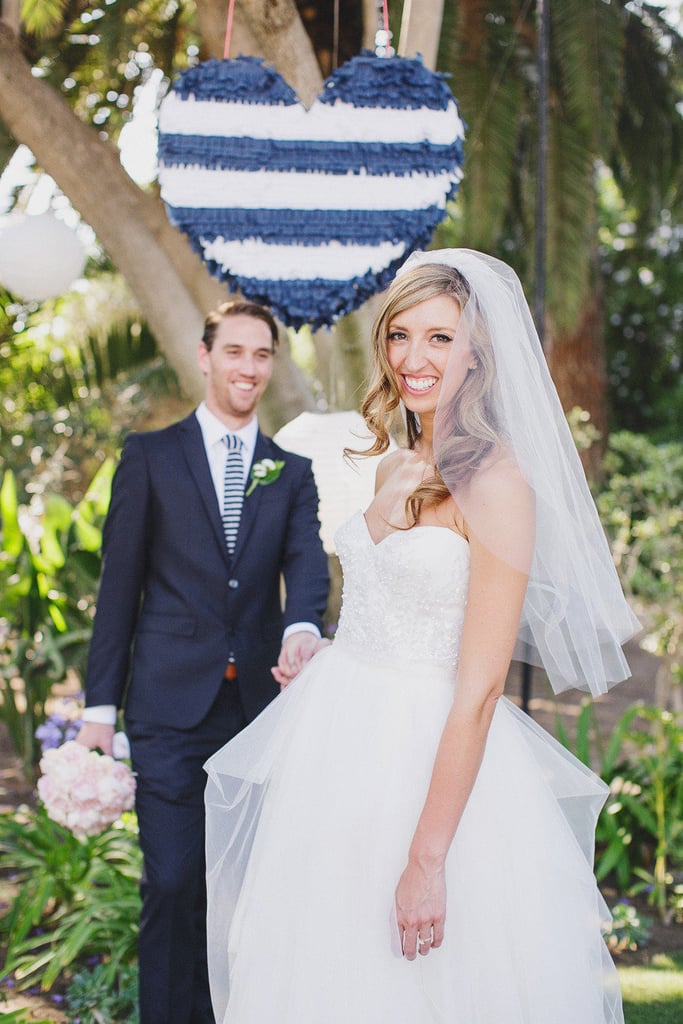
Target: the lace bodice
(404, 598)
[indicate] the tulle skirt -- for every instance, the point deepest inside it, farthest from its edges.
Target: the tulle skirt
(310, 813)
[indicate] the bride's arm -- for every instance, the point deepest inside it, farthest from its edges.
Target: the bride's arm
(494, 603)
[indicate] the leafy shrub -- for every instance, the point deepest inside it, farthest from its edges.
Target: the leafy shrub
(641, 508)
(21, 1017)
(92, 998)
(629, 929)
(639, 837)
(49, 567)
(77, 372)
(74, 899)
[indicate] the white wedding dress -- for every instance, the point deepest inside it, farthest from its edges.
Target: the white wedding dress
(311, 810)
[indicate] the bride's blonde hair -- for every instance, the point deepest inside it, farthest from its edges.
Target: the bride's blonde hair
(468, 429)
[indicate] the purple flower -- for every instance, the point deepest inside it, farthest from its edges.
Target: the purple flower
(56, 730)
(72, 730)
(50, 735)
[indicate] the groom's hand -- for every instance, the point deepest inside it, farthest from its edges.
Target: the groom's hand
(297, 650)
(94, 735)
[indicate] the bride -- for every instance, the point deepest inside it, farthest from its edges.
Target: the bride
(392, 840)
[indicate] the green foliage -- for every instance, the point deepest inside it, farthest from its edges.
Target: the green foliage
(641, 508)
(61, 418)
(601, 62)
(657, 778)
(42, 17)
(21, 1017)
(49, 567)
(93, 999)
(488, 60)
(650, 175)
(584, 433)
(629, 929)
(75, 898)
(639, 837)
(97, 54)
(589, 52)
(72, 374)
(642, 270)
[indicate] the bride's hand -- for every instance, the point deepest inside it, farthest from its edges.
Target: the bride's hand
(421, 908)
(297, 651)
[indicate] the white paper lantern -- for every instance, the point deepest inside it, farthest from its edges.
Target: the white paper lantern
(344, 486)
(40, 257)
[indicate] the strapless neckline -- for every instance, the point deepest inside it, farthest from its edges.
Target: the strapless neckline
(404, 597)
(404, 533)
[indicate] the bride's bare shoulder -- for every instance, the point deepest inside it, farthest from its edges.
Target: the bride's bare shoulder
(390, 464)
(499, 471)
(501, 486)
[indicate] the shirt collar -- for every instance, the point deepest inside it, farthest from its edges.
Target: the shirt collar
(213, 430)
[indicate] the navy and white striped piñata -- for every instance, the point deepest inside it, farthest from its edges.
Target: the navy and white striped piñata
(309, 211)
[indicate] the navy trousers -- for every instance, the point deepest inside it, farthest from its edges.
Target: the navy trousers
(174, 987)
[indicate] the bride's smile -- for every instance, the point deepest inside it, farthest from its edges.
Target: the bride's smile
(421, 343)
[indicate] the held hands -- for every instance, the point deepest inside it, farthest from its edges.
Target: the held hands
(94, 735)
(421, 908)
(297, 650)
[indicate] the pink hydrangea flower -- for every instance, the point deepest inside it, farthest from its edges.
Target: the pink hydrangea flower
(84, 791)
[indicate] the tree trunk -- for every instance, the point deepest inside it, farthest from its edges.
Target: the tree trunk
(273, 30)
(10, 12)
(212, 18)
(370, 24)
(421, 30)
(578, 366)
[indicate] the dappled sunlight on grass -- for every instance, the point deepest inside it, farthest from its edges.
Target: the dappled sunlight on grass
(654, 994)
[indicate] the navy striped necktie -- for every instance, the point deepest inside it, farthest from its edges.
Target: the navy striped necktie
(233, 489)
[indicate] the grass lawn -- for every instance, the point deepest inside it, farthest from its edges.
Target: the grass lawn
(654, 994)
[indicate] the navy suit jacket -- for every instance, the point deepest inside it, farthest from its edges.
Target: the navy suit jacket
(173, 605)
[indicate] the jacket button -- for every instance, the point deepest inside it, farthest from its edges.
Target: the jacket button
(233, 584)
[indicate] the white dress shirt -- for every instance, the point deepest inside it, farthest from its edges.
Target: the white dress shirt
(213, 432)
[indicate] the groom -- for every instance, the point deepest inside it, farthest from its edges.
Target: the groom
(206, 518)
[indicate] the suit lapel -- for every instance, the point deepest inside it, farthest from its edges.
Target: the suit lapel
(195, 454)
(262, 450)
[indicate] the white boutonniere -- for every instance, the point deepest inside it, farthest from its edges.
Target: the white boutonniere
(264, 472)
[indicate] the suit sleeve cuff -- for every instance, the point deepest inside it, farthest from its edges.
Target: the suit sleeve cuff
(102, 714)
(301, 627)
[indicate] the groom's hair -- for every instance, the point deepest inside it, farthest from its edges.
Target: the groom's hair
(238, 307)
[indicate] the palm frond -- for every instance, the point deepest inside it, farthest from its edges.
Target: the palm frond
(586, 39)
(571, 223)
(647, 159)
(42, 18)
(490, 89)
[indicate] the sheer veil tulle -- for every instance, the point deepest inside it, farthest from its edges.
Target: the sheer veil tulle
(575, 616)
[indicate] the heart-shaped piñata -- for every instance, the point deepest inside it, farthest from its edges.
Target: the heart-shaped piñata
(309, 211)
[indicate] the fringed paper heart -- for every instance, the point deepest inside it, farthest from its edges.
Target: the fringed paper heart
(309, 211)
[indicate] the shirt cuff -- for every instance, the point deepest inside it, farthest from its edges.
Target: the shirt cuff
(301, 627)
(102, 714)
